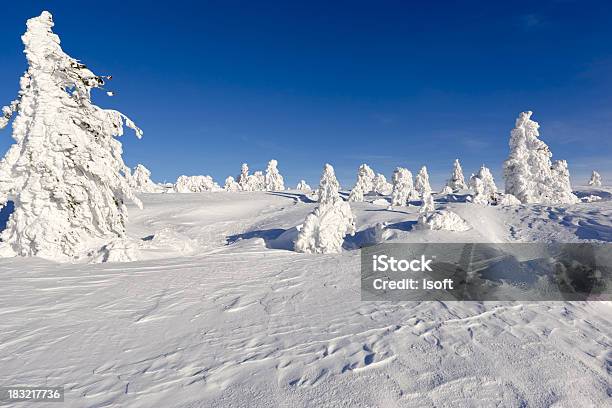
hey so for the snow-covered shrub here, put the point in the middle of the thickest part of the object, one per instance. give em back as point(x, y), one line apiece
point(65, 173)
point(483, 184)
point(595, 180)
point(381, 185)
point(528, 172)
point(428, 203)
point(141, 181)
point(457, 181)
point(256, 182)
point(243, 177)
point(446, 190)
point(402, 187)
point(421, 183)
point(590, 199)
point(303, 186)
point(195, 184)
point(442, 220)
point(364, 184)
point(231, 184)
point(508, 200)
point(274, 180)
point(324, 229)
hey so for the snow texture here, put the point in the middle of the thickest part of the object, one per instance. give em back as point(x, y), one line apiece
point(508, 200)
point(483, 184)
point(529, 173)
point(324, 229)
point(457, 180)
point(402, 187)
point(65, 173)
point(595, 180)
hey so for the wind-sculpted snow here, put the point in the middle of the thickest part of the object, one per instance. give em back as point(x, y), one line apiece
point(195, 184)
point(402, 187)
point(141, 181)
point(241, 324)
point(64, 174)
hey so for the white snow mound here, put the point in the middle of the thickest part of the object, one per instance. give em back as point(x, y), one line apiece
point(442, 220)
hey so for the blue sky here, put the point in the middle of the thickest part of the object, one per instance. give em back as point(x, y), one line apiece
point(389, 83)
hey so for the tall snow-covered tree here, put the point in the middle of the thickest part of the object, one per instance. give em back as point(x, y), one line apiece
point(428, 203)
point(484, 186)
point(141, 181)
point(65, 172)
point(243, 178)
point(529, 173)
point(457, 180)
point(421, 184)
point(274, 180)
point(256, 182)
point(364, 184)
point(595, 180)
point(324, 229)
point(402, 187)
point(303, 186)
point(231, 184)
point(381, 185)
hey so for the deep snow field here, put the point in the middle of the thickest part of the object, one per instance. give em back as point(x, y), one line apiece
point(219, 313)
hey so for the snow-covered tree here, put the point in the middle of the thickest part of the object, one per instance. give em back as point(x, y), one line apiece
point(65, 173)
point(402, 187)
point(421, 184)
point(243, 177)
point(595, 180)
point(195, 184)
point(324, 229)
point(457, 181)
point(231, 184)
point(381, 185)
point(444, 220)
point(484, 186)
point(364, 184)
point(446, 190)
point(529, 173)
point(256, 182)
point(428, 203)
point(303, 186)
point(141, 181)
point(274, 180)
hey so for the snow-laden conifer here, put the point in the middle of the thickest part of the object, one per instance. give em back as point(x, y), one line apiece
point(529, 173)
point(65, 173)
point(274, 180)
point(256, 182)
point(364, 184)
point(402, 187)
point(421, 183)
point(457, 180)
point(483, 184)
point(427, 204)
point(195, 184)
point(595, 180)
point(324, 229)
point(141, 181)
point(243, 177)
point(231, 184)
point(381, 185)
point(303, 186)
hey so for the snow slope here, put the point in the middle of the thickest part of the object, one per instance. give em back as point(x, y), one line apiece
point(220, 314)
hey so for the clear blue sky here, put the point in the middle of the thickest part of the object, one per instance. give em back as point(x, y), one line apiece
point(215, 84)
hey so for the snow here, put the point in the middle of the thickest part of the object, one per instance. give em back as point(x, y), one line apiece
point(457, 180)
point(595, 180)
point(402, 187)
point(141, 181)
point(237, 321)
point(274, 180)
